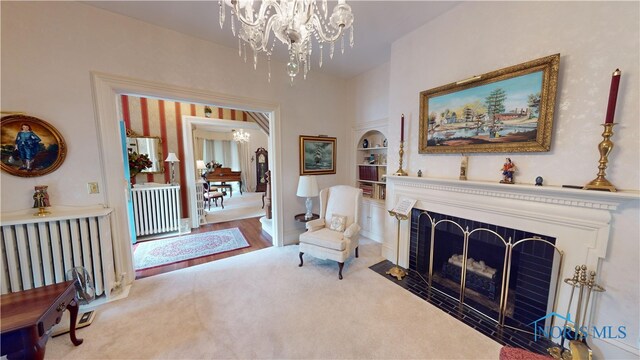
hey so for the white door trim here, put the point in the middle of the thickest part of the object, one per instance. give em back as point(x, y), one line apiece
point(106, 90)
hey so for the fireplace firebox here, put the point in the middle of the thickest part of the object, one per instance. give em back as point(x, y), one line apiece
point(508, 275)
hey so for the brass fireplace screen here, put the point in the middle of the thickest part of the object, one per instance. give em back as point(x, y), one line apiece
point(488, 279)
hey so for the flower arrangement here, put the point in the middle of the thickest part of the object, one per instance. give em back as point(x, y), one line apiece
point(138, 162)
point(212, 165)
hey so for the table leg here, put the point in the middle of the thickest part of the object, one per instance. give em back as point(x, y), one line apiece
point(34, 346)
point(240, 186)
point(73, 312)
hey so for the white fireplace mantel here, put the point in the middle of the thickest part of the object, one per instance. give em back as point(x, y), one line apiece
point(543, 194)
point(549, 210)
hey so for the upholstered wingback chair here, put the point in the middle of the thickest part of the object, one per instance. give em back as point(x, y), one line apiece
point(334, 236)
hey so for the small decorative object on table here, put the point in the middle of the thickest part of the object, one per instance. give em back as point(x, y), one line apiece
point(507, 172)
point(384, 142)
point(606, 145)
point(41, 200)
point(419, 173)
point(539, 181)
point(207, 112)
point(365, 143)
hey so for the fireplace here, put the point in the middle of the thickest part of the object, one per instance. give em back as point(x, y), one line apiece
point(565, 228)
point(507, 275)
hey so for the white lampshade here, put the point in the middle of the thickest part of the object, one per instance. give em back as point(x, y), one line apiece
point(307, 186)
point(200, 165)
point(172, 158)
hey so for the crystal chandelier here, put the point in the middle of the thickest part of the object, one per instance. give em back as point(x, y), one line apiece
point(294, 23)
point(240, 136)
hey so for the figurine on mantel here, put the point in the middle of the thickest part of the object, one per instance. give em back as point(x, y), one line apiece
point(507, 172)
point(464, 163)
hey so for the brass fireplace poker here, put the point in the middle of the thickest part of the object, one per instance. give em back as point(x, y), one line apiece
point(578, 348)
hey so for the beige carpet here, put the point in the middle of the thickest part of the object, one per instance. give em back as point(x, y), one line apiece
point(262, 305)
point(236, 207)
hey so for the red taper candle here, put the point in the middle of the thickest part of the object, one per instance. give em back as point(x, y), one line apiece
point(613, 96)
point(402, 128)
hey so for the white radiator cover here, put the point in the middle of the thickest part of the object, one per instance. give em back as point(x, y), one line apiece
point(37, 251)
point(156, 209)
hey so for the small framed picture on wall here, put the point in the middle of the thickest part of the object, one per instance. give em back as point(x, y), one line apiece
point(317, 155)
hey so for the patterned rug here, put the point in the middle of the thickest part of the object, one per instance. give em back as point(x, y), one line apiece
point(149, 254)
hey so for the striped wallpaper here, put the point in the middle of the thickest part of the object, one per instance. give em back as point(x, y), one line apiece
point(163, 118)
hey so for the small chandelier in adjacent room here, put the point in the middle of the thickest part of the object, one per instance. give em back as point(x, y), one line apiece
point(294, 23)
point(240, 136)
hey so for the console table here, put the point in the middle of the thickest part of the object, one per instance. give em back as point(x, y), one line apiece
point(27, 316)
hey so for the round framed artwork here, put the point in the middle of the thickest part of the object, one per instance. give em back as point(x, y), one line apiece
point(30, 146)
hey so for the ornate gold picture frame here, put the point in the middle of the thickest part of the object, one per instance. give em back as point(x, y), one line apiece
point(30, 146)
point(317, 155)
point(507, 110)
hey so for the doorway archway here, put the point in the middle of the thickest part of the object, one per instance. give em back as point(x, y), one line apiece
point(106, 90)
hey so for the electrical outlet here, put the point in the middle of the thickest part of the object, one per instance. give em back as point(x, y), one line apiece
point(92, 187)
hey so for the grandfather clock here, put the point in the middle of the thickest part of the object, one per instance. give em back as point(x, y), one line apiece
point(262, 165)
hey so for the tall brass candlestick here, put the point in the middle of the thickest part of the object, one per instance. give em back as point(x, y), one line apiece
point(401, 172)
point(605, 147)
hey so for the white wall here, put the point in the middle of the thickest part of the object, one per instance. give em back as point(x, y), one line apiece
point(49, 49)
point(369, 95)
point(593, 39)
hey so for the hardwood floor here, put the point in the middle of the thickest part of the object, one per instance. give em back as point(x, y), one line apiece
point(250, 228)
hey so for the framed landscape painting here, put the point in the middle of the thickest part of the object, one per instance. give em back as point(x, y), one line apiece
point(317, 155)
point(508, 110)
point(30, 146)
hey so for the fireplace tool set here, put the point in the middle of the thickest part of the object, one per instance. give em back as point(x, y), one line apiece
point(577, 332)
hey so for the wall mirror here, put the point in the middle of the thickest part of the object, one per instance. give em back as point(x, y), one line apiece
point(149, 145)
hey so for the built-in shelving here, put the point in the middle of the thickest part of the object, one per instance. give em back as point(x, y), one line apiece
point(371, 165)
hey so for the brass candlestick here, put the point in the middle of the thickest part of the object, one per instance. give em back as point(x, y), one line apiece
point(397, 271)
point(401, 172)
point(605, 147)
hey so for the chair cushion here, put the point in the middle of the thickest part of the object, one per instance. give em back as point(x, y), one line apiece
point(325, 238)
point(212, 195)
point(342, 199)
point(338, 222)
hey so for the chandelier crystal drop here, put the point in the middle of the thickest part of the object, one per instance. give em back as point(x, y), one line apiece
point(294, 22)
point(240, 136)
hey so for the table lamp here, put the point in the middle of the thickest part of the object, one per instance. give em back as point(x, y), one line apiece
point(200, 165)
point(172, 158)
point(308, 187)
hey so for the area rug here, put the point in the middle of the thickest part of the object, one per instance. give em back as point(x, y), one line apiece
point(167, 251)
